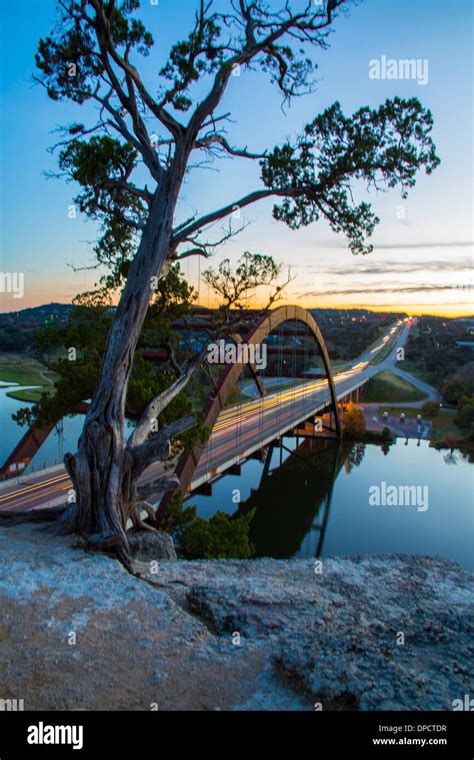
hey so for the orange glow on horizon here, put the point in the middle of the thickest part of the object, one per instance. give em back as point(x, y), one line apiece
point(453, 310)
point(465, 309)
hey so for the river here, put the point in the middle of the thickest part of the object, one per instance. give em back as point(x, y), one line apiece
point(318, 502)
point(314, 500)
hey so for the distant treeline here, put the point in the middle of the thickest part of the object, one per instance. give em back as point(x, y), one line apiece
point(18, 328)
point(348, 332)
point(433, 350)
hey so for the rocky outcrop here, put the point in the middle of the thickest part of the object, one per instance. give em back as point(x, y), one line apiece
point(148, 546)
point(367, 633)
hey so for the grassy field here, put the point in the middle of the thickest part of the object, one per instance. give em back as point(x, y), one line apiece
point(427, 377)
point(33, 394)
point(387, 387)
point(24, 370)
point(443, 426)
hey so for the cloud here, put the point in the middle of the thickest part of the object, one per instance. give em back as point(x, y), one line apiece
point(386, 267)
point(438, 244)
point(368, 290)
point(402, 246)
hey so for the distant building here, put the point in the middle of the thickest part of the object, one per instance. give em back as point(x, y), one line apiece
point(465, 344)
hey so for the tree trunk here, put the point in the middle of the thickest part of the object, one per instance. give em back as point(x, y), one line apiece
point(103, 471)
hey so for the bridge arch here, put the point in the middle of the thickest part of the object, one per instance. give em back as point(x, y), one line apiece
point(231, 374)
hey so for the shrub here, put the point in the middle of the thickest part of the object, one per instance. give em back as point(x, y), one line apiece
point(353, 422)
point(465, 416)
point(458, 384)
point(220, 537)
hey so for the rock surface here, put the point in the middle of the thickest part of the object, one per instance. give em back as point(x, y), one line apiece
point(151, 545)
point(372, 633)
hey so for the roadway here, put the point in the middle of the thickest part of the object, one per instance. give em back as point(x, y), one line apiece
point(238, 432)
point(245, 428)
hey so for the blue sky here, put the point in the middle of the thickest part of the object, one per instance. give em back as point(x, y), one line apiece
point(420, 263)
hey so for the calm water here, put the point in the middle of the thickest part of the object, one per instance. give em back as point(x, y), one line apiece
point(316, 502)
point(56, 445)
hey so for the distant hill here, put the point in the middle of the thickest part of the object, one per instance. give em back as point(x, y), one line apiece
point(38, 313)
point(18, 328)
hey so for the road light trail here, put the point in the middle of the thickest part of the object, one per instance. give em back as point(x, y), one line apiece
point(255, 420)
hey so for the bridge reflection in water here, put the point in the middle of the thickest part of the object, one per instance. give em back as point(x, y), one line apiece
point(293, 500)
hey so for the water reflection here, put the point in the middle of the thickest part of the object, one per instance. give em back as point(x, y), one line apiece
point(312, 500)
point(293, 497)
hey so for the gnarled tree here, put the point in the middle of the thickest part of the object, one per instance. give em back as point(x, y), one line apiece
point(92, 56)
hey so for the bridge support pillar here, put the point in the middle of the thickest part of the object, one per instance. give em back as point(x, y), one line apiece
point(205, 489)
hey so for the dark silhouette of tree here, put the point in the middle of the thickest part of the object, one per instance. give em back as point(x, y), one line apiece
point(235, 284)
point(165, 129)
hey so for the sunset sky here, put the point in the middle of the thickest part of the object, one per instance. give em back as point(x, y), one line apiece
point(422, 260)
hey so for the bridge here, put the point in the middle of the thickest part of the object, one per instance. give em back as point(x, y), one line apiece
point(282, 405)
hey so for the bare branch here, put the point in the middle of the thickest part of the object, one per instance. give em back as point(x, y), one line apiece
point(183, 233)
point(208, 141)
point(102, 25)
point(206, 248)
point(263, 30)
point(156, 488)
point(159, 447)
point(156, 407)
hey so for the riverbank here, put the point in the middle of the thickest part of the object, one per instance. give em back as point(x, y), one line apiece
point(79, 632)
point(22, 369)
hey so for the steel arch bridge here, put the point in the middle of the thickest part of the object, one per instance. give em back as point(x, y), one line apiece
point(229, 377)
point(241, 431)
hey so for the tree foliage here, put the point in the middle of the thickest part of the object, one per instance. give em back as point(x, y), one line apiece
point(223, 536)
point(380, 147)
point(234, 284)
point(87, 330)
point(430, 408)
point(465, 416)
point(353, 421)
point(459, 384)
